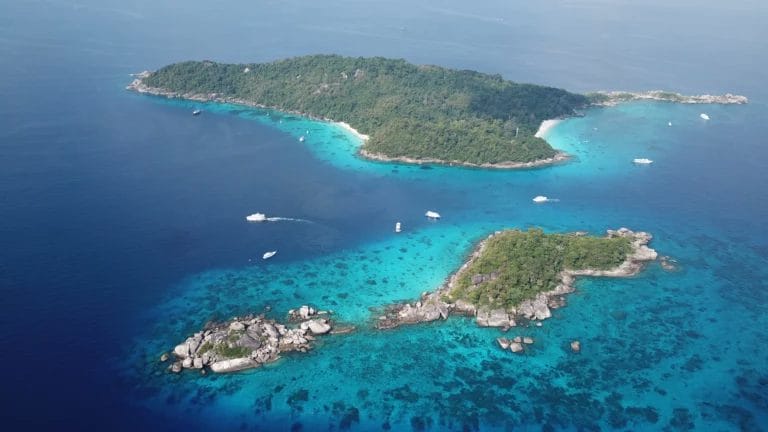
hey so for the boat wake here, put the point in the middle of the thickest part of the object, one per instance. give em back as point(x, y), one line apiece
point(287, 219)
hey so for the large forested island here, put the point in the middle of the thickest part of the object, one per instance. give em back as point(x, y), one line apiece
point(410, 113)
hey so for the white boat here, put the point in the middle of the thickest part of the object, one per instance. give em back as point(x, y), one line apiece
point(301, 139)
point(642, 161)
point(704, 116)
point(669, 124)
point(432, 214)
point(397, 227)
point(540, 199)
point(256, 217)
point(268, 255)
point(196, 112)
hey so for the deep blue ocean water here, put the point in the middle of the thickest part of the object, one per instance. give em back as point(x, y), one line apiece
point(122, 221)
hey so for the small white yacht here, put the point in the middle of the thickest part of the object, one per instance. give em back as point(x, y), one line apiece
point(642, 161)
point(256, 217)
point(669, 123)
point(301, 139)
point(398, 227)
point(196, 112)
point(432, 214)
point(268, 255)
point(704, 116)
point(540, 199)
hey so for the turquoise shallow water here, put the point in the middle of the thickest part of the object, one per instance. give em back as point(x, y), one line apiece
point(663, 350)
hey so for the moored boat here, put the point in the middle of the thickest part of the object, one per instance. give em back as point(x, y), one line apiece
point(268, 255)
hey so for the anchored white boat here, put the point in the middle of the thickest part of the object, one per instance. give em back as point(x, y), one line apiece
point(642, 161)
point(540, 199)
point(432, 214)
point(398, 227)
point(704, 116)
point(256, 217)
point(669, 123)
point(268, 255)
point(196, 112)
point(301, 139)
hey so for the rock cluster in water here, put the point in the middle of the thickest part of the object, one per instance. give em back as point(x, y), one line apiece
point(434, 305)
point(610, 98)
point(249, 342)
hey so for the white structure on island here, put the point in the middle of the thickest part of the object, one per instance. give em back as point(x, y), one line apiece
point(256, 217)
point(704, 116)
point(642, 161)
point(432, 214)
point(398, 227)
point(540, 199)
point(268, 255)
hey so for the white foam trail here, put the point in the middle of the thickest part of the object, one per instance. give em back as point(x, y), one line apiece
point(285, 219)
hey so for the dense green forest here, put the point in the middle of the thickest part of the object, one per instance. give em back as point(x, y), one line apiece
point(408, 110)
point(517, 265)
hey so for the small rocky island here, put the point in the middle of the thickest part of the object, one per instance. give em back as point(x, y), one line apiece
point(251, 341)
point(515, 276)
point(611, 98)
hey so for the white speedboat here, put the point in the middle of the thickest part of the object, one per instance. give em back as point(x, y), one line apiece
point(432, 214)
point(301, 139)
point(540, 199)
point(669, 123)
point(256, 217)
point(398, 227)
point(704, 116)
point(196, 112)
point(642, 161)
point(268, 255)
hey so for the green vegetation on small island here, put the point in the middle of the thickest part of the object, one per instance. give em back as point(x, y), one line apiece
point(409, 111)
point(517, 265)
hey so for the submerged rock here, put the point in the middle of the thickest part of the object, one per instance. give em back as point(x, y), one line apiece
point(575, 346)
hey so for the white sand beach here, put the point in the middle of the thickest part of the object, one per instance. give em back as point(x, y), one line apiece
point(346, 126)
point(546, 125)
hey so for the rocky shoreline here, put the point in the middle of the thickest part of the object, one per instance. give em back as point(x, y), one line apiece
point(251, 341)
point(138, 86)
point(435, 305)
point(612, 98)
point(559, 157)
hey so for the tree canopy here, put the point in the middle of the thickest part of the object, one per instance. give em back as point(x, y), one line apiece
point(517, 265)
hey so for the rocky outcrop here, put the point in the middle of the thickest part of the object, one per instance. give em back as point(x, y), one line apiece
point(494, 318)
point(248, 342)
point(434, 305)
